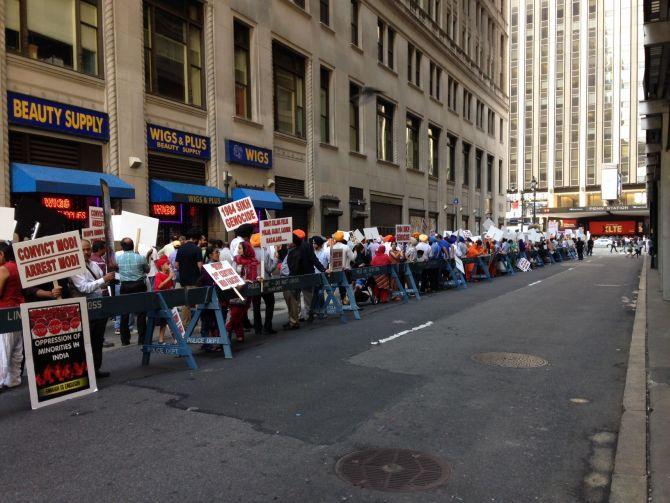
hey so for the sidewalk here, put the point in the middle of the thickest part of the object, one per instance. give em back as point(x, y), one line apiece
point(642, 465)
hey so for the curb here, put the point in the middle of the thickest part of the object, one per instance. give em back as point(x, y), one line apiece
point(629, 479)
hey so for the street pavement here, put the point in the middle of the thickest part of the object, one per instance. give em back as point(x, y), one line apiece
point(270, 424)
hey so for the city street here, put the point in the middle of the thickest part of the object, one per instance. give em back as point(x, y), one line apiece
point(271, 424)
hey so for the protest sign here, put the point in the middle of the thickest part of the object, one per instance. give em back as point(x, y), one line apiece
point(224, 275)
point(467, 234)
point(371, 233)
point(488, 223)
point(141, 229)
point(523, 264)
point(358, 236)
point(459, 265)
point(176, 317)
point(490, 232)
point(58, 352)
point(336, 259)
point(7, 224)
point(276, 232)
point(96, 217)
point(403, 233)
point(347, 236)
point(238, 213)
point(49, 258)
point(552, 227)
point(93, 233)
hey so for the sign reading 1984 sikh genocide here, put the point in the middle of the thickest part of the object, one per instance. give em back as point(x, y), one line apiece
point(238, 213)
point(58, 352)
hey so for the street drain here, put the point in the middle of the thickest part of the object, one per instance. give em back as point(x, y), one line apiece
point(510, 360)
point(393, 470)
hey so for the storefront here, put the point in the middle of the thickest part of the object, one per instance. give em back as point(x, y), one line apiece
point(614, 220)
point(55, 155)
point(178, 193)
point(263, 201)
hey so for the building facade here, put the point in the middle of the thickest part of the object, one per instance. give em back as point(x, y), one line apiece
point(576, 75)
point(655, 116)
point(341, 114)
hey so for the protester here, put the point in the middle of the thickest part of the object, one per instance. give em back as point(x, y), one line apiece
point(189, 263)
point(246, 260)
point(163, 280)
point(382, 282)
point(266, 257)
point(169, 247)
point(301, 260)
point(91, 283)
point(98, 252)
point(133, 268)
point(208, 325)
point(11, 343)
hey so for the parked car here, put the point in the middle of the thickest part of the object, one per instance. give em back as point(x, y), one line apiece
point(601, 242)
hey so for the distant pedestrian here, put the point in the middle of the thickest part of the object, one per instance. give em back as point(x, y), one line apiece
point(580, 248)
point(638, 248)
point(613, 246)
point(589, 246)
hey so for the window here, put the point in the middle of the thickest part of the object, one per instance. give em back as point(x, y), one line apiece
point(451, 165)
point(417, 69)
point(433, 150)
point(500, 176)
point(467, 105)
point(324, 11)
point(501, 130)
point(479, 117)
point(478, 169)
point(452, 91)
point(385, 112)
point(324, 98)
point(390, 47)
point(289, 90)
point(491, 123)
point(410, 62)
point(172, 49)
point(412, 128)
point(242, 70)
point(489, 173)
point(381, 29)
point(354, 22)
point(466, 222)
point(300, 3)
point(354, 117)
point(434, 81)
point(414, 65)
point(466, 164)
point(60, 32)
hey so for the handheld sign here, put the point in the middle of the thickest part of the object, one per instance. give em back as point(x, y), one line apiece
point(93, 233)
point(142, 229)
point(49, 258)
point(371, 233)
point(358, 236)
point(58, 351)
point(238, 213)
point(7, 224)
point(176, 317)
point(96, 217)
point(110, 259)
point(276, 232)
point(224, 275)
point(336, 259)
point(403, 233)
point(459, 265)
point(523, 264)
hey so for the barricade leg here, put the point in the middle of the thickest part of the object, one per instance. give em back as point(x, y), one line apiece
point(510, 265)
point(211, 304)
point(410, 279)
point(342, 281)
point(331, 300)
point(401, 288)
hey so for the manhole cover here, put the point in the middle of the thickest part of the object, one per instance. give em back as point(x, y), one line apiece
point(511, 360)
point(393, 470)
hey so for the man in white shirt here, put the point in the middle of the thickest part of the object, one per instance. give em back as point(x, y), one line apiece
point(90, 284)
point(338, 237)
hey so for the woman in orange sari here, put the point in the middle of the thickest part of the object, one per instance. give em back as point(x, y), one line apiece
point(475, 250)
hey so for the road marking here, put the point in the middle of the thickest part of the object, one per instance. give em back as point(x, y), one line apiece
point(400, 334)
point(534, 283)
point(608, 285)
point(570, 268)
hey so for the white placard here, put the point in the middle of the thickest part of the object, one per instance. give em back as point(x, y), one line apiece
point(96, 217)
point(498, 234)
point(336, 259)
point(371, 233)
point(358, 236)
point(276, 232)
point(127, 224)
point(7, 224)
point(490, 232)
point(347, 236)
point(238, 213)
point(459, 265)
point(224, 275)
point(523, 264)
point(487, 224)
point(176, 317)
point(49, 258)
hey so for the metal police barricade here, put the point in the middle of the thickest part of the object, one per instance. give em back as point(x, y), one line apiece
point(557, 255)
point(479, 266)
point(405, 275)
point(456, 277)
point(535, 255)
point(507, 262)
point(339, 279)
point(550, 256)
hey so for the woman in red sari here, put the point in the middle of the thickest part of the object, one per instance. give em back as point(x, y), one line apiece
point(382, 288)
point(248, 264)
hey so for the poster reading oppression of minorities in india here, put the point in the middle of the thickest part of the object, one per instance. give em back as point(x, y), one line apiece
point(238, 213)
point(49, 258)
point(58, 350)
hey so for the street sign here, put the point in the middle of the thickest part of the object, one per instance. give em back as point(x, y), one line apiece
point(456, 201)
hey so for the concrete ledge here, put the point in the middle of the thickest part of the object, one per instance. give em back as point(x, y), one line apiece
point(629, 479)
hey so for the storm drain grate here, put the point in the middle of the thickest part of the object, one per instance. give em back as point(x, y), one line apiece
point(393, 470)
point(510, 360)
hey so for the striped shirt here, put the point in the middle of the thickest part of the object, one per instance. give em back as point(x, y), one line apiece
point(132, 266)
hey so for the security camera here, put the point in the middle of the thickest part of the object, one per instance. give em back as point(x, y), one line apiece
point(134, 162)
point(270, 182)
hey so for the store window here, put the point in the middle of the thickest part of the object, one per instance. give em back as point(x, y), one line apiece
point(451, 222)
point(289, 92)
point(324, 98)
point(433, 150)
point(478, 169)
point(412, 127)
point(489, 173)
point(173, 49)
point(451, 166)
point(385, 111)
point(242, 36)
point(354, 117)
point(60, 32)
point(466, 164)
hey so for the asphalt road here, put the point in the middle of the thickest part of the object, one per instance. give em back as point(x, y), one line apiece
point(270, 424)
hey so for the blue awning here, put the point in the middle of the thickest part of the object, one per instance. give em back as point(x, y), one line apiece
point(261, 199)
point(29, 178)
point(164, 191)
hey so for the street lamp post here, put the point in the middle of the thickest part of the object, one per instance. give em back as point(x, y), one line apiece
point(533, 186)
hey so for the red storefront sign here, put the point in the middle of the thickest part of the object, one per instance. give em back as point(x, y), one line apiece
point(569, 223)
point(612, 228)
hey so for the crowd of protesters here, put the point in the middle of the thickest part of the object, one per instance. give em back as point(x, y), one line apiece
point(180, 264)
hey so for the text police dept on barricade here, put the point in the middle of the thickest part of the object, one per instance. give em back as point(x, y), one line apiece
point(162, 139)
point(45, 114)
